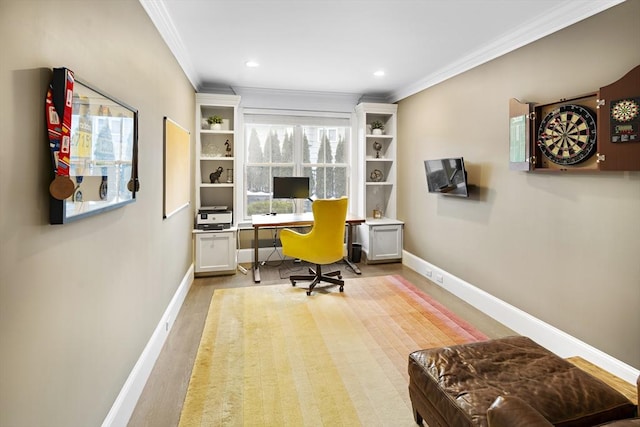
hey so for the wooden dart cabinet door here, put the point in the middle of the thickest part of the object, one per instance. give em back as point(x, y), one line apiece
point(619, 124)
point(520, 136)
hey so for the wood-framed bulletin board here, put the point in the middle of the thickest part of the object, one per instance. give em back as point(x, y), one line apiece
point(177, 168)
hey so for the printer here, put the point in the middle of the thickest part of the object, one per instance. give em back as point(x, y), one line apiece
point(213, 218)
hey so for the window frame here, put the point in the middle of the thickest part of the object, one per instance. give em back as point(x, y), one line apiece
point(322, 123)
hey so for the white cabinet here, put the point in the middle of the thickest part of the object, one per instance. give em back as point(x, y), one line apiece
point(215, 179)
point(381, 235)
point(215, 251)
point(385, 240)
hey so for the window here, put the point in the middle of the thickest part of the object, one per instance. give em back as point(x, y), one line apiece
point(278, 145)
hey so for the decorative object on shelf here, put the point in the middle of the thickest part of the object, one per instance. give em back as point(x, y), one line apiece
point(567, 135)
point(376, 175)
point(377, 146)
point(227, 149)
point(77, 195)
point(215, 176)
point(104, 187)
point(215, 122)
point(377, 213)
point(204, 123)
point(209, 150)
point(229, 176)
point(377, 127)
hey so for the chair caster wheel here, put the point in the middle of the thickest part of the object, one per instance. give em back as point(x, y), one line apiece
point(308, 293)
point(339, 276)
point(341, 289)
point(293, 283)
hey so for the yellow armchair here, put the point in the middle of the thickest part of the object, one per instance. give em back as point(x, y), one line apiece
point(324, 244)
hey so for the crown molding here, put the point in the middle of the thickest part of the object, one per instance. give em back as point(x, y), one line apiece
point(562, 16)
point(556, 18)
point(160, 17)
point(297, 99)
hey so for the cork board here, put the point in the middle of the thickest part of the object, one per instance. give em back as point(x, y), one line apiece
point(177, 167)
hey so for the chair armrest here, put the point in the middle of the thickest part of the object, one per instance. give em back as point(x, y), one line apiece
point(511, 411)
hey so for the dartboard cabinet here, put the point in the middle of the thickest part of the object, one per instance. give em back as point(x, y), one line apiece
point(598, 131)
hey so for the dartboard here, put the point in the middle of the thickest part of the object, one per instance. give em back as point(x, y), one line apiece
point(625, 110)
point(567, 135)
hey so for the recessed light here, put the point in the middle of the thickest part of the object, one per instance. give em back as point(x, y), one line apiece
point(379, 73)
point(251, 64)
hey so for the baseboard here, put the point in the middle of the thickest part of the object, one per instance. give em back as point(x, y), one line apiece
point(559, 342)
point(128, 397)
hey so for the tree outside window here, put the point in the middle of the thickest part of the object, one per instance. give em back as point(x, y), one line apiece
point(311, 150)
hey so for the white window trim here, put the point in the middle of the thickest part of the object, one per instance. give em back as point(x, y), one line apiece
point(334, 118)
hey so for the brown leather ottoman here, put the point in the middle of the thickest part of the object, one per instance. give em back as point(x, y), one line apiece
point(454, 386)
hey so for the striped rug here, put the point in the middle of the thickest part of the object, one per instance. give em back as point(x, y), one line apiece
point(273, 356)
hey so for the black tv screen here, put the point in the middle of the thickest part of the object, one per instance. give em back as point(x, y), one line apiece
point(290, 187)
point(447, 176)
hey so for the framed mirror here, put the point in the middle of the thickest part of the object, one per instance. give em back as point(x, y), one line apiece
point(102, 154)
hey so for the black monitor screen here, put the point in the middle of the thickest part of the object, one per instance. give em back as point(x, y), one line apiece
point(447, 176)
point(290, 187)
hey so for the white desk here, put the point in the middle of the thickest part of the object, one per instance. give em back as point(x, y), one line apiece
point(296, 220)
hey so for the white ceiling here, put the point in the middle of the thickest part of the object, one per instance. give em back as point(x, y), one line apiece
point(336, 45)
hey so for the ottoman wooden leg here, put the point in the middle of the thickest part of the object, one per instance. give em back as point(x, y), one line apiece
point(417, 417)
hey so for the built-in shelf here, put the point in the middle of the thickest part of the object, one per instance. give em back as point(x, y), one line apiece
point(381, 235)
point(215, 250)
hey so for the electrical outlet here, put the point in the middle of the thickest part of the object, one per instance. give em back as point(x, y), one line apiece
point(439, 278)
point(429, 273)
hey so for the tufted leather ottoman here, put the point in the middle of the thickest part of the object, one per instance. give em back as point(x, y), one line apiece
point(454, 386)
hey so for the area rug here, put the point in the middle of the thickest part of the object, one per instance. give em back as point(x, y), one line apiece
point(273, 356)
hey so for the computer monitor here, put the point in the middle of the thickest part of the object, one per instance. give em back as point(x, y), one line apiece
point(290, 187)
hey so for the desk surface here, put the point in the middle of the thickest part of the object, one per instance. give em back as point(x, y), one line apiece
point(283, 220)
point(280, 220)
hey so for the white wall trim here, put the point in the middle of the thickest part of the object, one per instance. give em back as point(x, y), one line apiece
point(559, 342)
point(128, 397)
point(157, 11)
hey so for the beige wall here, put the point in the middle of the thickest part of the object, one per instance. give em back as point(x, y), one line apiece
point(563, 248)
point(78, 302)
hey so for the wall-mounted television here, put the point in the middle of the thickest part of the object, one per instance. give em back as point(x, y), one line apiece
point(290, 187)
point(447, 176)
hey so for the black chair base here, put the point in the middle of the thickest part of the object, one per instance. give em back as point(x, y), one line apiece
point(316, 277)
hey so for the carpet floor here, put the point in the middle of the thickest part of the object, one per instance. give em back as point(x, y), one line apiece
point(273, 356)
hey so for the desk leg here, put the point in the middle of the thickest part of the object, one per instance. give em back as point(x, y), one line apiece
point(256, 262)
point(347, 260)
